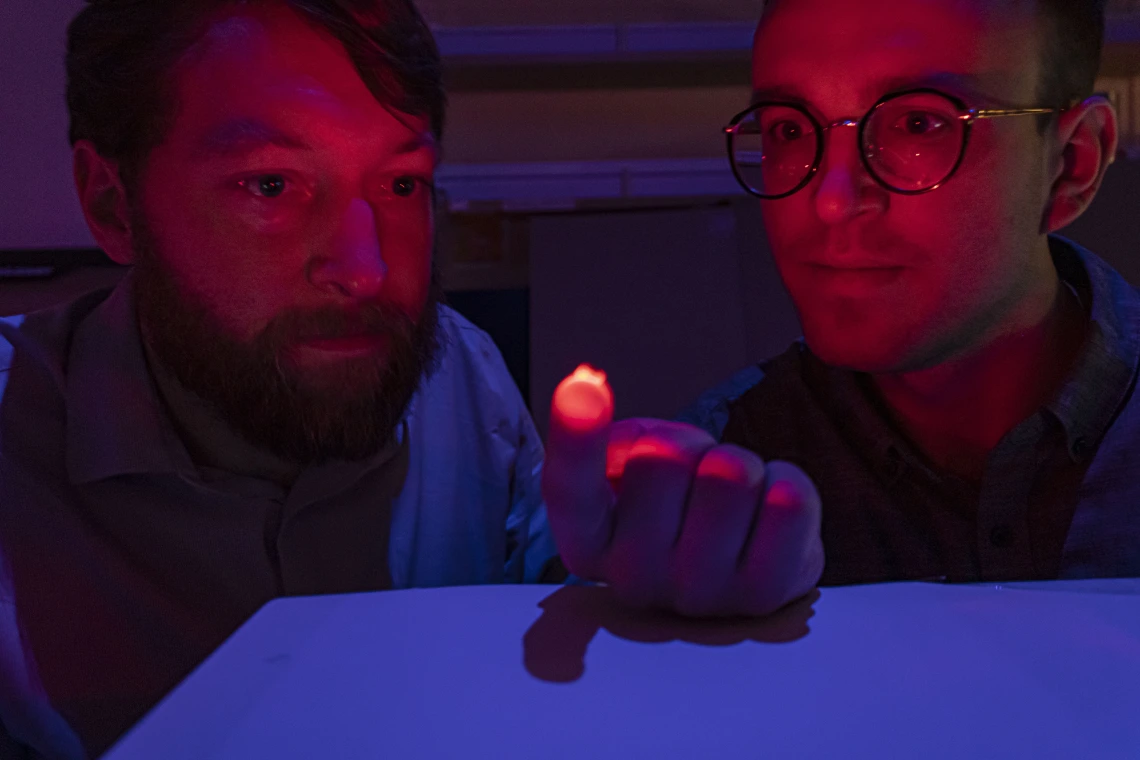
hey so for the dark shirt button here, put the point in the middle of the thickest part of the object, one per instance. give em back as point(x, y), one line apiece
point(1081, 448)
point(1002, 536)
point(894, 467)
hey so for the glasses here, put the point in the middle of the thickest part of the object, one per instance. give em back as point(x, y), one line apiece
point(910, 142)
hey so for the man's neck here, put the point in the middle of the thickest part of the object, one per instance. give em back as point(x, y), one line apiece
point(959, 410)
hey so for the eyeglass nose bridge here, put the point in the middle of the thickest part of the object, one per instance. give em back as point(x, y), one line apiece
point(844, 122)
point(841, 123)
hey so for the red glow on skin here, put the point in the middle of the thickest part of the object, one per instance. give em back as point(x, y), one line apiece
point(620, 454)
point(584, 401)
point(855, 282)
point(657, 450)
point(616, 458)
point(727, 468)
point(783, 495)
point(884, 282)
point(948, 299)
point(267, 96)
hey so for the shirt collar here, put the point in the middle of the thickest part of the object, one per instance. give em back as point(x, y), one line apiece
point(1102, 379)
point(115, 425)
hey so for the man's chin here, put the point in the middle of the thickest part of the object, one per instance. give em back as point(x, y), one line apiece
point(327, 424)
point(345, 377)
point(874, 355)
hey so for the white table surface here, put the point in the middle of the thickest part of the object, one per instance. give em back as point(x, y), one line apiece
point(895, 671)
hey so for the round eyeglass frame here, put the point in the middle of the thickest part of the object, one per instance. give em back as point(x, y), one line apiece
point(966, 114)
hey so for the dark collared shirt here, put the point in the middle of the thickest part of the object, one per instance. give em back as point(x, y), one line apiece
point(1060, 496)
point(123, 564)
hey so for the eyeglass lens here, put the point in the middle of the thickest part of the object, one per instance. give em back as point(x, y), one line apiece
point(911, 143)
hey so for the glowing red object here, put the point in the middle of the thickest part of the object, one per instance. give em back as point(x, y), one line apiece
point(584, 401)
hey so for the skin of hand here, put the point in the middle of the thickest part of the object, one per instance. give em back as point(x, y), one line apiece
point(669, 518)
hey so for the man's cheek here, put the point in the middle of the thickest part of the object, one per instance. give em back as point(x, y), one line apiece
point(245, 300)
point(782, 221)
point(409, 264)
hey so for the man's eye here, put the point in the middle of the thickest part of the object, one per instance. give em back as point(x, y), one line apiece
point(266, 186)
point(921, 123)
point(405, 187)
point(786, 131)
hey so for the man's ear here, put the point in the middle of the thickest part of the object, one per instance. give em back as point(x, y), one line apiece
point(1087, 140)
point(104, 201)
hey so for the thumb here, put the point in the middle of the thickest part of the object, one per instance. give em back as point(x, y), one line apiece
point(579, 499)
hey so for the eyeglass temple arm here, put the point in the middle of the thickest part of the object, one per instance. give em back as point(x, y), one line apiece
point(990, 113)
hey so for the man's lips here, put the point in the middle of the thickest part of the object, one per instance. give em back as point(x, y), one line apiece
point(855, 277)
point(344, 346)
point(853, 263)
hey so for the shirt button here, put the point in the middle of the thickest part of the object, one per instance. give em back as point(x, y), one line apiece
point(894, 466)
point(1002, 536)
point(1080, 448)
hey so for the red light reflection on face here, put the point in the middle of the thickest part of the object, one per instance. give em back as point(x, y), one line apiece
point(284, 185)
point(885, 282)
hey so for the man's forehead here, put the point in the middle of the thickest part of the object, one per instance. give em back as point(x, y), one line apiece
point(829, 44)
point(264, 63)
point(269, 46)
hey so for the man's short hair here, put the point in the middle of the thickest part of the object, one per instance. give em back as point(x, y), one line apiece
point(1071, 45)
point(121, 53)
point(1071, 42)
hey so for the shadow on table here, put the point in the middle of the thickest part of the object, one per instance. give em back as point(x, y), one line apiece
point(554, 648)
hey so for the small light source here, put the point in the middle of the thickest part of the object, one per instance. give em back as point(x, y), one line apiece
point(584, 400)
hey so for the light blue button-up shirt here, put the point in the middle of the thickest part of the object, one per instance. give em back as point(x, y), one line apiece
point(122, 564)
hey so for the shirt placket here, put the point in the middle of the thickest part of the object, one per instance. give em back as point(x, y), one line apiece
point(1004, 547)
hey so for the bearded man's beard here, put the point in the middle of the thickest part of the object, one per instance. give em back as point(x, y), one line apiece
point(347, 411)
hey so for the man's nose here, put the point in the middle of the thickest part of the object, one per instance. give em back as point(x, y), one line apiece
point(845, 189)
point(353, 265)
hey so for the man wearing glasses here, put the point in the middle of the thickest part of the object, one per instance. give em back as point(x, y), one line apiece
point(963, 397)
